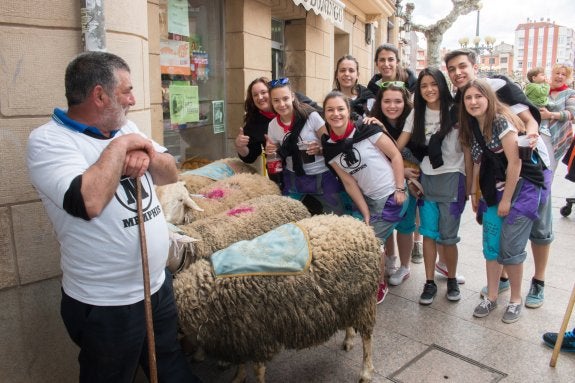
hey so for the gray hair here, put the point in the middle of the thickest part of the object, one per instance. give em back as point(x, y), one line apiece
point(90, 69)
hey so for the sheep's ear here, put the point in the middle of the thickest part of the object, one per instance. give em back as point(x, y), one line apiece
point(191, 204)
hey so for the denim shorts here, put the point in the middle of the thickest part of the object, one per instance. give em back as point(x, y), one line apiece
point(385, 215)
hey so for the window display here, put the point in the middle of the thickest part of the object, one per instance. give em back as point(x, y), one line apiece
point(192, 67)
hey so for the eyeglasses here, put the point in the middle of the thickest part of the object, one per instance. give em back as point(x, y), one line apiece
point(278, 82)
point(387, 84)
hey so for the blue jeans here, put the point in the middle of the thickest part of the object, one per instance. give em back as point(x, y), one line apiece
point(113, 342)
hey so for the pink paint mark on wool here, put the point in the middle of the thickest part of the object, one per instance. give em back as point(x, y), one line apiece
point(240, 210)
point(215, 194)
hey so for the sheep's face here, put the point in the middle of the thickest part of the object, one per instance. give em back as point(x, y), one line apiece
point(175, 199)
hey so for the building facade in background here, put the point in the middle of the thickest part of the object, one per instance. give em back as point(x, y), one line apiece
point(543, 43)
point(497, 60)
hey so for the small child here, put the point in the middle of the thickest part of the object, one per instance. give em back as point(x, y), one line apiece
point(537, 90)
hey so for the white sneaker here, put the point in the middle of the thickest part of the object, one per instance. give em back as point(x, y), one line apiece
point(441, 269)
point(399, 276)
point(390, 267)
point(417, 252)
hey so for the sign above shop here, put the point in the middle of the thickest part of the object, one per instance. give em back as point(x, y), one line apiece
point(331, 10)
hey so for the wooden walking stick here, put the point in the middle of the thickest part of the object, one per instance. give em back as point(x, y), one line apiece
point(147, 295)
point(563, 328)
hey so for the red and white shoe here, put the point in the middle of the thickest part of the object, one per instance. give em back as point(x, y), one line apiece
point(441, 269)
point(381, 292)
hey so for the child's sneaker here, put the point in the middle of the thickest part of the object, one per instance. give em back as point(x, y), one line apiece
point(390, 267)
point(484, 308)
point(399, 276)
point(535, 296)
point(441, 269)
point(512, 312)
point(503, 286)
point(453, 293)
point(381, 292)
point(428, 294)
point(417, 252)
point(568, 344)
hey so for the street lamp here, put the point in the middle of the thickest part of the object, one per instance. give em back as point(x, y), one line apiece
point(405, 16)
point(479, 48)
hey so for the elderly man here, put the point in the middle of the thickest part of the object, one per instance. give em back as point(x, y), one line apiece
point(83, 163)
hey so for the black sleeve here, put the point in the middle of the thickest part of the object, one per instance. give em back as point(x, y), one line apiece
point(512, 94)
point(306, 100)
point(411, 80)
point(73, 200)
point(256, 129)
point(255, 150)
point(372, 86)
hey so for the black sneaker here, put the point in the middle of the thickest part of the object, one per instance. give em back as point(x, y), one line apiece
point(453, 293)
point(568, 344)
point(429, 292)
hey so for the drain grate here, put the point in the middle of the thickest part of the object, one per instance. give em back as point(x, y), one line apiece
point(437, 364)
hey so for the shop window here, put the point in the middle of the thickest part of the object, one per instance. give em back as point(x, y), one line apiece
point(193, 83)
point(278, 53)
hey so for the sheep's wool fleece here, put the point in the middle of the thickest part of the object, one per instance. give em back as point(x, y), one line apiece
point(195, 182)
point(244, 221)
point(227, 193)
point(251, 318)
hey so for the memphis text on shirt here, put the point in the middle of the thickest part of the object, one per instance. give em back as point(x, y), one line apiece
point(128, 199)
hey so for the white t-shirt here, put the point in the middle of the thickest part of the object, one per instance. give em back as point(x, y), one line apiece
point(100, 258)
point(313, 123)
point(496, 84)
point(453, 160)
point(373, 171)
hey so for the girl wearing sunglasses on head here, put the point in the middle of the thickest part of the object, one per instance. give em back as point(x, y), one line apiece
point(390, 69)
point(294, 134)
point(258, 113)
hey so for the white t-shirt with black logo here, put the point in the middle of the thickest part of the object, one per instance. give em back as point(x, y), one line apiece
point(100, 258)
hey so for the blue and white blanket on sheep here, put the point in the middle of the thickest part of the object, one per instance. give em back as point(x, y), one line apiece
point(284, 250)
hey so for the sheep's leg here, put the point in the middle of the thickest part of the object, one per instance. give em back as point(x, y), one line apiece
point(348, 341)
point(241, 374)
point(367, 368)
point(260, 372)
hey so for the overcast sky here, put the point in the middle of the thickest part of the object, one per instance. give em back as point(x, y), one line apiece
point(497, 18)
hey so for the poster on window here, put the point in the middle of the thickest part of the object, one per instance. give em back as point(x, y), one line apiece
point(218, 116)
point(184, 104)
point(175, 57)
point(178, 21)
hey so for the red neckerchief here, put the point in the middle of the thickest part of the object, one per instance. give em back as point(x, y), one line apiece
point(269, 115)
point(559, 88)
point(335, 138)
point(285, 127)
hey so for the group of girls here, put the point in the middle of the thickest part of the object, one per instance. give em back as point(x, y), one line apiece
point(367, 155)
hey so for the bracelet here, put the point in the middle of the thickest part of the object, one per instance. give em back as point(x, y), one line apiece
point(401, 190)
point(562, 116)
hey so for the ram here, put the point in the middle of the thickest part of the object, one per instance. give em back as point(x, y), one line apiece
point(252, 316)
point(244, 221)
point(179, 206)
